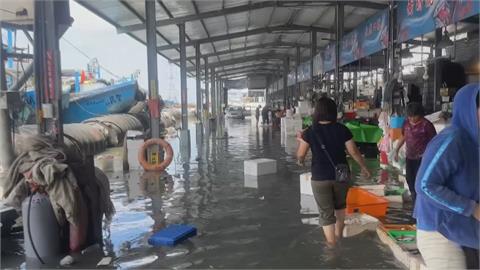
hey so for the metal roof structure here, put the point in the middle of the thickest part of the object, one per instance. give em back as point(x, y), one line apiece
point(237, 36)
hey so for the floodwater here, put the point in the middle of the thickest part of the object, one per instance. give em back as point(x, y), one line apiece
point(242, 222)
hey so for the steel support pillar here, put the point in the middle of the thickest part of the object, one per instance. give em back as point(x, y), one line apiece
point(49, 26)
point(339, 19)
point(313, 52)
point(392, 43)
point(155, 110)
point(355, 83)
point(297, 63)
point(436, 70)
point(183, 76)
point(6, 153)
point(184, 132)
point(212, 92)
point(199, 86)
point(207, 88)
point(286, 64)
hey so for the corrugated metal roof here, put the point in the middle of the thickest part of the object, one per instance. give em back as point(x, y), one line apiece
point(231, 17)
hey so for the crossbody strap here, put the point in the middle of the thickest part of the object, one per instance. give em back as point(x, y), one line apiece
point(322, 145)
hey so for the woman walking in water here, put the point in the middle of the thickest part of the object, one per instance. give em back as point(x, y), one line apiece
point(328, 141)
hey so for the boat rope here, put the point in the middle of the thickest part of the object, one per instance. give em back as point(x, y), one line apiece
point(84, 109)
point(89, 58)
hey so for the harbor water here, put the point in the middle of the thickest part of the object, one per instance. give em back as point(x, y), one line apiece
point(242, 222)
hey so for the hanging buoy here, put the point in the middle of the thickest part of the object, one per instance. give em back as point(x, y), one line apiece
point(158, 167)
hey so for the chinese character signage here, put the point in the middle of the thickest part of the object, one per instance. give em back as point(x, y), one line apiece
point(417, 17)
point(369, 37)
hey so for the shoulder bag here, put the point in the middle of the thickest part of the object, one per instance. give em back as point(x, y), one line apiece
point(342, 171)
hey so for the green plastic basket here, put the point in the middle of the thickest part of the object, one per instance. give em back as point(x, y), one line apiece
point(405, 237)
point(364, 133)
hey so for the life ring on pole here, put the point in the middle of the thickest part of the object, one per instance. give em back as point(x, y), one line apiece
point(158, 167)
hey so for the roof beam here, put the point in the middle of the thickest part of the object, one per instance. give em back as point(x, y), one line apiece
point(364, 4)
point(242, 75)
point(261, 65)
point(244, 8)
point(252, 71)
point(288, 45)
point(200, 16)
point(249, 33)
point(254, 62)
point(254, 57)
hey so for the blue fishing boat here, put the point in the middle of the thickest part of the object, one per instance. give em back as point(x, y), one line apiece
point(77, 107)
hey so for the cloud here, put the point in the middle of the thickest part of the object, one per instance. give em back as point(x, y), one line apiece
point(119, 53)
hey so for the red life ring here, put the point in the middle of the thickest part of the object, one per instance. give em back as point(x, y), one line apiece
point(159, 167)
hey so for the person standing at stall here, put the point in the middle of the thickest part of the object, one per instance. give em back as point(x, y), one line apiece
point(447, 209)
point(257, 113)
point(417, 133)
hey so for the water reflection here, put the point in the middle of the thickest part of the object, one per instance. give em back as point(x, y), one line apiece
point(242, 223)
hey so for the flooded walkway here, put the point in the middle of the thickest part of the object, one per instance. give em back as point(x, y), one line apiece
point(242, 223)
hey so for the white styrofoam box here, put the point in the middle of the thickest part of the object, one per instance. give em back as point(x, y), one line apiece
point(109, 162)
point(290, 126)
point(291, 145)
point(394, 198)
point(308, 204)
point(133, 146)
point(306, 183)
point(303, 107)
point(378, 190)
point(261, 166)
point(357, 222)
point(251, 181)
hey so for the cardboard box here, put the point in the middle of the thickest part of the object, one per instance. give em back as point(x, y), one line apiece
point(261, 166)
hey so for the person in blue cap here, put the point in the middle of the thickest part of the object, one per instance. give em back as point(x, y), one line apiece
point(447, 186)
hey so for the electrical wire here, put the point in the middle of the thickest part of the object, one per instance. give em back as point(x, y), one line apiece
point(30, 231)
point(89, 58)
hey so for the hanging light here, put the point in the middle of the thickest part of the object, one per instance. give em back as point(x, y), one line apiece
point(446, 41)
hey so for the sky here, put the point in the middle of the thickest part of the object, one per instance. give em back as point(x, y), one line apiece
point(119, 53)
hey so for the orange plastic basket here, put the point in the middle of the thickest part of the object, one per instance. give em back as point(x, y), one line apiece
point(360, 200)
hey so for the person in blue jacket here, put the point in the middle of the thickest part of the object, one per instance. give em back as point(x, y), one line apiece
point(447, 186)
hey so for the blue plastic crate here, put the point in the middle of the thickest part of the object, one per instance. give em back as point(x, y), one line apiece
point(172, 235)
point(397, 121)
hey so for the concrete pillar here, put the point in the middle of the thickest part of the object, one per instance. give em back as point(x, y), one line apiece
point(152, 67)
point(199, 87)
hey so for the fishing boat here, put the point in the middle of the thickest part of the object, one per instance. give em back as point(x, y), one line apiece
point(77, 107)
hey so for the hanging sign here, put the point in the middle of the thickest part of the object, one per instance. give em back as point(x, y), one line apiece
point(417, 17)
point(329, 57)
point(369, 37)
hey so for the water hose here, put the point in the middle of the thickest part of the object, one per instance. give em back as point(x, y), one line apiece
point(30, 231)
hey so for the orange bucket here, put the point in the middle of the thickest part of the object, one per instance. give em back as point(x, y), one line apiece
point(360, 200)
point(395, 134)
